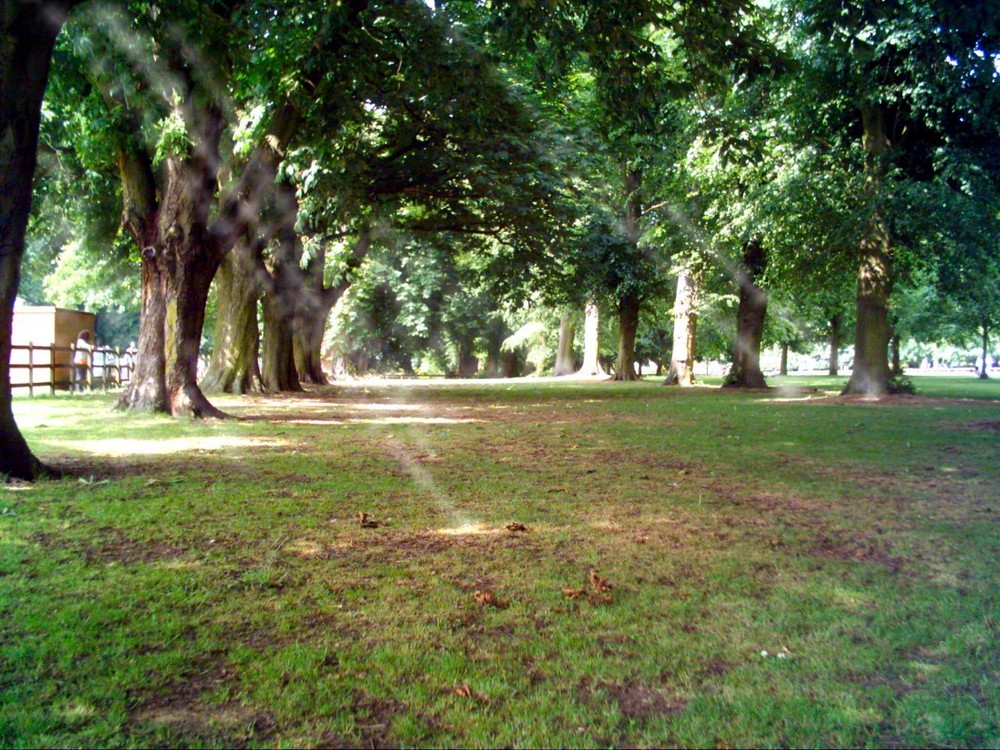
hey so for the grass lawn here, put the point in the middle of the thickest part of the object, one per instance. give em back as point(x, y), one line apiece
point(209, 583)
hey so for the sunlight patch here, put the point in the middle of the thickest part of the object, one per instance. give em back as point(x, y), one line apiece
point(130, 447)
point(413, 420)
point(468, 529)
point(306, 548)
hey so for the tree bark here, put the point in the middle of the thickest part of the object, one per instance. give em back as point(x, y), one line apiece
point(564, 354)
point(309, 327)
point(28, 31)
point(681, 370)
point(281, 298)
point(835, 330)
point(234, 366)
point(783, 366)
point(315, 303)
point(591, 342)
point(467, 363)
point(628, 324)
point(870, 375)
point(278, 359)
point(180, 255)
point(750, 315)
point(511, 363)
point(897, 366)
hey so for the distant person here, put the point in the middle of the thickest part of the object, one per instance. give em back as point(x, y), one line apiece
point(128, 361)
point(81, 360)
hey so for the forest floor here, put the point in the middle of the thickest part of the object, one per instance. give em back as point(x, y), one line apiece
point(540, 564)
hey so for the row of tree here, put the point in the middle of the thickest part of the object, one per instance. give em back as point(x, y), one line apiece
point(545, 153)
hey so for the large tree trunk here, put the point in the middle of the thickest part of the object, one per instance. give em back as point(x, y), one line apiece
point(871, 375)
point(564, 354)
point(685, 329)
point(234, 366)
point(28, 31)
point(750, 314)
point(591, 342)
point(309, 328)
point(282, 297)
point(314, 308)
point(309, 325)
point(180, 256)
point(835, 328)
point(278, 358)
point(783, 366)
point(628, 324)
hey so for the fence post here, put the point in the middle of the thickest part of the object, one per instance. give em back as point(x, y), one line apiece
point(52, 369)
point(31, 369)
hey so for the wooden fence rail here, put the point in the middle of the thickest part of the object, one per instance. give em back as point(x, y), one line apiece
point(106, 367)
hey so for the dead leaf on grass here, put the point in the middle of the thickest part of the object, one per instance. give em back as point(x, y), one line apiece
point(516, 527)
point(573, 593)
point(365, 522)
point(599, 584)
point(488, 599)
point(463, 690)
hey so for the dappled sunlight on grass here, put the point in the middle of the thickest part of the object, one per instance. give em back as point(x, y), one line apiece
point(381, 421)
point(469, 529)
point(119, 447)
point(239, 577)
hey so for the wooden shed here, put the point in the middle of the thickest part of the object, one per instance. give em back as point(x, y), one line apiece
point(46, 326)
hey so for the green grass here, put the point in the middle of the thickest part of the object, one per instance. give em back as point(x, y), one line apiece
point(207, 583)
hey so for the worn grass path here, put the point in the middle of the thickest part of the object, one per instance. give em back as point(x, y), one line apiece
point(209, 584)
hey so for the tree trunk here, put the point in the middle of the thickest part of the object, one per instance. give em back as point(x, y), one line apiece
point(564, 354)
point(234, 366)
point(309, 329)
point(897, 366)
point(467, 364)
point(871, 375)
point(983, 372)
point(835, 327)
point(147, 388)
point(685, 329)
point(180, 256)
point(27, 34)
point(511, 363)
point(628, 324)
point(628, 303)
point(746, 372)
point(283, 296)
point(591, 342)
point(783, 367)
point(278, 358)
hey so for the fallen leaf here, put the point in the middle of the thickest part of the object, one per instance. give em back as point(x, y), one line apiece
point(488, 599)
point(573, 593)
point(516, 527)
point(464, 690)
point(600, 584)
point(365, 522)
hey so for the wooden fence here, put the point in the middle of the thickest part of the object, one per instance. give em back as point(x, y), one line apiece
point(49, 366)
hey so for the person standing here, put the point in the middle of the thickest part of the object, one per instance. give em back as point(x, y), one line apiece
point(81, 360)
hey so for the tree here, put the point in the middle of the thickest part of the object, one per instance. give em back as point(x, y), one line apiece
point(916, 76)
point(28, 31)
